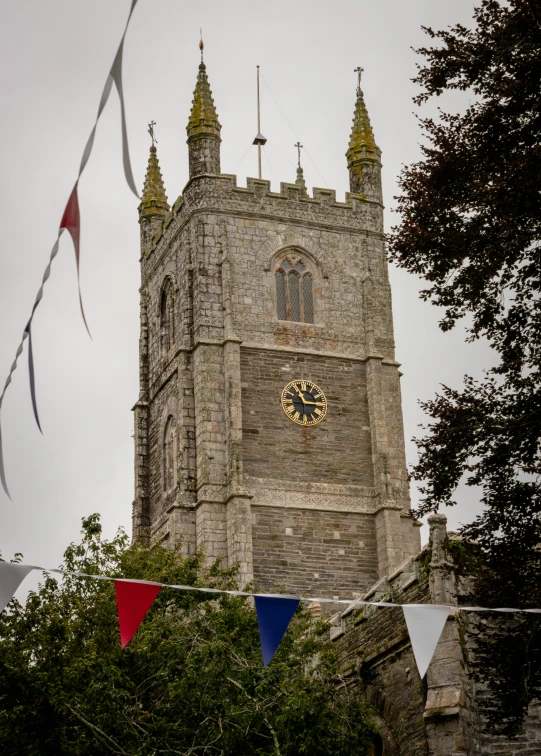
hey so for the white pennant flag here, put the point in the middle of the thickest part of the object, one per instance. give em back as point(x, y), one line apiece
point(11, 576)
point(425, 625)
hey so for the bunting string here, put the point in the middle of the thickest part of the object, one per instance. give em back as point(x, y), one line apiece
point(425, 622)
point(71, 221)
point(310, 599)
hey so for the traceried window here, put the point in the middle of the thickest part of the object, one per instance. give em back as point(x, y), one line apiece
point(169, 454)
point(294, 290)
point(167, 319)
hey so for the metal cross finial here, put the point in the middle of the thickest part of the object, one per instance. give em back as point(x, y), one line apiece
point(201, 43)
point(299, 148)
point(151, 132)
point(359, 72)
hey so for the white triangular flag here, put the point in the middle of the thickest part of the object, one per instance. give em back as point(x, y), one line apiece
point(425, 625)
point(11, 576)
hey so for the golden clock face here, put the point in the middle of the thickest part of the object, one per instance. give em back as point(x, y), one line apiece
point(304, 402)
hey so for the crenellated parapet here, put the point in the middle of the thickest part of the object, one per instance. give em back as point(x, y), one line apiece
point(221, 193)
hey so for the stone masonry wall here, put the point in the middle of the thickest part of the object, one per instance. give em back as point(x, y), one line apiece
point(164, 404)
point(337, 450)
point(344, 241)
point(309, 552)
point(377, 658)
point(215, 255)
point(443, 714)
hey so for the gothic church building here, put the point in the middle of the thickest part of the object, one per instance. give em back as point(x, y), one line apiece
point(268, 429)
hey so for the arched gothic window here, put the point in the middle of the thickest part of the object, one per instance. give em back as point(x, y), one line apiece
point(294, 290)
point(167, 319)
point(169, 454)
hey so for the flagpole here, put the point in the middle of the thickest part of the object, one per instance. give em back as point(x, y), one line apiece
point(260, 139)
point(258, 127)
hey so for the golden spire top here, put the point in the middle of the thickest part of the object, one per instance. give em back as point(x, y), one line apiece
point(154, 199)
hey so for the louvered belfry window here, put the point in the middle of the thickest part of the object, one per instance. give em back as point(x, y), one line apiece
point(294, 290)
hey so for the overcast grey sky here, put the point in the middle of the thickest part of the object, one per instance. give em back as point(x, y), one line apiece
point(56, 56)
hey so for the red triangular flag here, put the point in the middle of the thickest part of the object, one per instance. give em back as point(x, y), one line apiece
point(133, 601)
point(72, 221)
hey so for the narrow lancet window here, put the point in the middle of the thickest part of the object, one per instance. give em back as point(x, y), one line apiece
point(293, 281)
point(294, 290)
point(167, 319)
point(308, 299)
point(281, 306)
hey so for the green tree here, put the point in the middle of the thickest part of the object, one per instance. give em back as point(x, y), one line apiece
point(471, 225)
point(191, 681)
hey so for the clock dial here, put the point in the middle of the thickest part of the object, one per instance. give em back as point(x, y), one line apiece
point(304, 402)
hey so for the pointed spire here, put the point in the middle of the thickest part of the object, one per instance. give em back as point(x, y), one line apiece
point(154, 206)
point(203, 117)
point(203, 126)
point(300, 175)
point(301, 182)
point(363, 154)
point(154, 199)
point(361, 133)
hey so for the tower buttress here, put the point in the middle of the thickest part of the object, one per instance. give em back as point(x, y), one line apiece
point(203, 128)
point(363, 155)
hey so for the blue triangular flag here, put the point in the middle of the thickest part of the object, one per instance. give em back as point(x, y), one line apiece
point(273, 618)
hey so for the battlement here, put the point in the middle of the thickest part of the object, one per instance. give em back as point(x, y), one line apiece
point(320, 196)
point(227, 184)
point(221, 192)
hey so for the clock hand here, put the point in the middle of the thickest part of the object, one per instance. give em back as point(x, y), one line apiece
point(299, 393)
point(318, 404)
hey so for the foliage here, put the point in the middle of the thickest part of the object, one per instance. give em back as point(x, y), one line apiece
point(508, 657)
point(471, 225)
point(191, 681)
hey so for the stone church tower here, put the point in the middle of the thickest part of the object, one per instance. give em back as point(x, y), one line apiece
point(245, 292)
